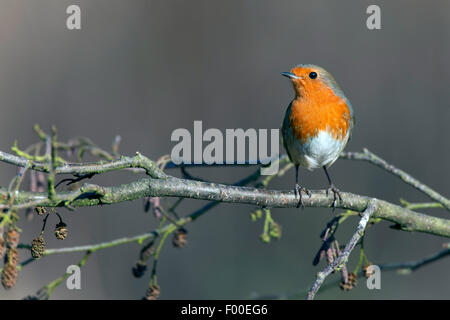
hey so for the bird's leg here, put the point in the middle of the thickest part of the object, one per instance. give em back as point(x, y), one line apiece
point(332, 188)
point(298, 190)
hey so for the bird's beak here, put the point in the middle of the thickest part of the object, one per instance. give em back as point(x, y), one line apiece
point(290, 75)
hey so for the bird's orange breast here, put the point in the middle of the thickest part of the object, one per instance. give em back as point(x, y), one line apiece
point(317, 110)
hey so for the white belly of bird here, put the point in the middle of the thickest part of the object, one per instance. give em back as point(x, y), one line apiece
point(321, 150)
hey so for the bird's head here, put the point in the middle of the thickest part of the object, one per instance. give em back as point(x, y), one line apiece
point(310, 79)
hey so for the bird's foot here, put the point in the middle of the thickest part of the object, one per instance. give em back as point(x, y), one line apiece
point(298, 191)
point(336, 195)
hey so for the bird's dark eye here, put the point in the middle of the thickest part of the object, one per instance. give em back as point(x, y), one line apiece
point(313, 75)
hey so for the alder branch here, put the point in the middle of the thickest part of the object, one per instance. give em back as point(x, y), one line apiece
point(139, 161)
point(370, 157)
point(90, 195)
point(168, 186)
point(154, 172)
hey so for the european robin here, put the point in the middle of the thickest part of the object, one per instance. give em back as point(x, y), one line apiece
point(318, 123)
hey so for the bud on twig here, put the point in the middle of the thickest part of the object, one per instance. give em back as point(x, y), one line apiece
point(61, 231)
point(40, 210)
point(152, 293)
point(139, 269)
point(180, 238)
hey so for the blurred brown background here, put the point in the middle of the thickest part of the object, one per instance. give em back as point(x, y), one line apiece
point(143, 68)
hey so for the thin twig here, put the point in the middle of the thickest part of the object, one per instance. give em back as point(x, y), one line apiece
point(343, 257)
point(45, 292)
point(138, 161)
point(402, 268)
point(420, 205)
point(406, 267)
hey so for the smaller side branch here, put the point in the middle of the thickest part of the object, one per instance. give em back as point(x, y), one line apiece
point(343, 257)
point(366, 155)
point(420, 205)
point(45, 292)
point(407, 267)
point(108, 244)
point(138, 161)
point(402, 268)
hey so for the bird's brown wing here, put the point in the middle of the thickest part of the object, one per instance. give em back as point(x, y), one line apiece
point(284, 129)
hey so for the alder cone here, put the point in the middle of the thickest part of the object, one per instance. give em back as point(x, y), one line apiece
point(9, 276)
